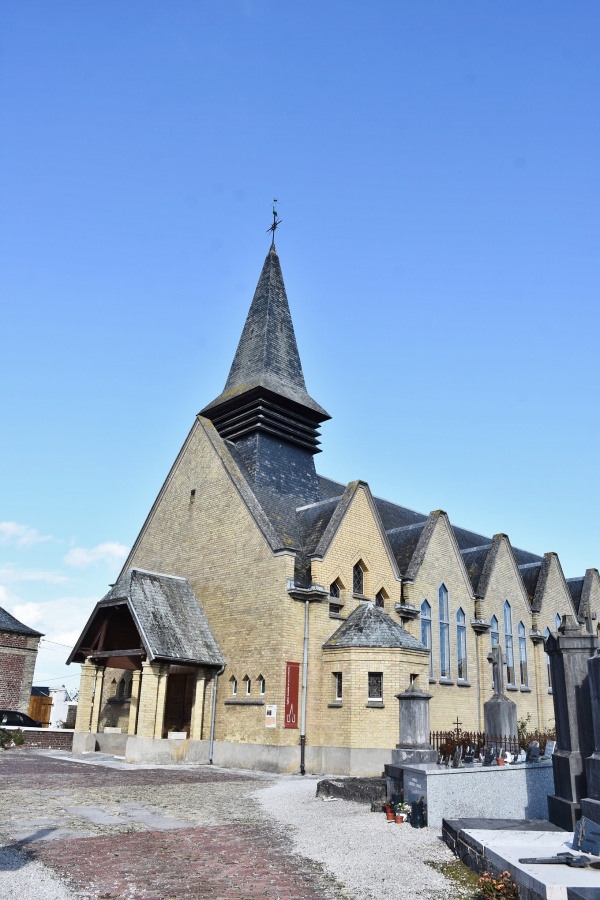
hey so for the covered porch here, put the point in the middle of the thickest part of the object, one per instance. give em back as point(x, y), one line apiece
point(151, 632)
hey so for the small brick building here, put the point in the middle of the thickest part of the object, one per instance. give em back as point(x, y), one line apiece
point(323, 601)
point(18, 653)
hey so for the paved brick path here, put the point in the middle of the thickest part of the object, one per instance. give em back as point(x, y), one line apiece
point(219, 847)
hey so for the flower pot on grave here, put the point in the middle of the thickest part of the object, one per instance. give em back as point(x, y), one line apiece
point(399, 818)
point(500, 760)
point(389, 815)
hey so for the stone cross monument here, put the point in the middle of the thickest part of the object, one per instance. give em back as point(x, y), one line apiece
point(499, 713)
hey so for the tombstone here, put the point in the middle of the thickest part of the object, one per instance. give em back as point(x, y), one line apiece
point(549, 750)
point(469, 755)
point(417, 813)
point(569, 650)
point(457, 758)
point(499, 713)
point(587, 836)
point(590, 805)
point(490, 755)
point(414, 746)
point(533, 752)
point(522, 756)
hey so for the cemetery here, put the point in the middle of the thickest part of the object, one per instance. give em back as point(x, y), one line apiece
point(533, 814)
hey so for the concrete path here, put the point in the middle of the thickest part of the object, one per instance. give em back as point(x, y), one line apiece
point(102, 829)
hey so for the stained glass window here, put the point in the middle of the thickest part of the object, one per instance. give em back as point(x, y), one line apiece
point(375, 685)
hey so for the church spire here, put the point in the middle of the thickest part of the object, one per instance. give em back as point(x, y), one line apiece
point(265, 409)
point(265, 390)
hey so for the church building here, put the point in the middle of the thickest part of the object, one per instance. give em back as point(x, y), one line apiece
point(267, 615)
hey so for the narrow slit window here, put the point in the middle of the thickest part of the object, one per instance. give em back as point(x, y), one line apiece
point(461, 645)
point(508, 644)
point(376, 686)
point(494, 632)
point(426, 632)
point(444, 612)
point(358, 578)
point(338, 685)
point(523, 669)
point(380, 599)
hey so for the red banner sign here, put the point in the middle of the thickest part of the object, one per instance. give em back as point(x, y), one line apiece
point(292, 688)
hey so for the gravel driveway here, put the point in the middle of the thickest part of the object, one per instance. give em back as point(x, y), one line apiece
point(103, 829)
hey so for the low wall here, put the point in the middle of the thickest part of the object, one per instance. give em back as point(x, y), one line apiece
point(45, 738)
point(478, 792)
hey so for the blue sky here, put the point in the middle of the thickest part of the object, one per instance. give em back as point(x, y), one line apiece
point(437, 169)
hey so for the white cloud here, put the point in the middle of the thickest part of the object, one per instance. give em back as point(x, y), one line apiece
point(110, 552)
point(22, 535)
point(13, 574)
point(29, 613)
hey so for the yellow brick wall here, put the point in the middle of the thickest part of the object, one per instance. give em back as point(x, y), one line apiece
point(216, 544)
point(506, 584)
point(355, 723)
point(442, 564)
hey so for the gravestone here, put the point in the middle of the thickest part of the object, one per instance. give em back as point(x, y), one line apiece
point(590, 805)
point(533, 752)
point(522, 756)
point(549, 750)
point(469, 755)
point(569, 650)
point(414, 746)
point(499, 713)
point(490, 755)
point(457, 758)
point(587, 836)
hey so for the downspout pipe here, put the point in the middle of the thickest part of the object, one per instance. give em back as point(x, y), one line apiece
point(213, 711)
point(304, 683)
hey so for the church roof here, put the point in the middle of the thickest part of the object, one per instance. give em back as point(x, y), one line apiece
point(370, 626)
point(267, 355)
point(167, 615)
point(9, 624)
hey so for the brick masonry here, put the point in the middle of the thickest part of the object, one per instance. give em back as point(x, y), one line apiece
point(17, 661)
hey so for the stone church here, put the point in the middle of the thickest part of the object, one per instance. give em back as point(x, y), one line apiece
point(267, 615)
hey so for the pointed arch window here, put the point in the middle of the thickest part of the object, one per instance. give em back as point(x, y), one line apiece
point(494, 632)
point(508, 645)
point(335, 606)
point(358, 578)
point(557, 621)
point(523, 669)
point(334, 589)
point(548, 669)
point(380, 599)
point(461, 645)
point(426, 632)
point(444, 615)
point(233, 683)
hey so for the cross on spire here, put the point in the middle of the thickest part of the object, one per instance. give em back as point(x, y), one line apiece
point(276, 222)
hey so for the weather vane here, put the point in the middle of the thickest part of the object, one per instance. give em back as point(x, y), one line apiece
point(276, 222)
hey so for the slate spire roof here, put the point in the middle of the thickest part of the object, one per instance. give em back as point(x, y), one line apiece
point(265, 390)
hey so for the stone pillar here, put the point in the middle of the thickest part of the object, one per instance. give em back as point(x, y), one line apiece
point(569, 651)
point(86, 697)
point(160, 702)
point(136, 680)
point(590, 806)
point(147, 708)
point(198, 707)
point(97, 698)
point(414, 746)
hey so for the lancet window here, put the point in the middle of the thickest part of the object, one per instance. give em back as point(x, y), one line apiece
point(444, 615)
point(461, 645)
point(523, 669)
point(426, 632)
point(508, 644)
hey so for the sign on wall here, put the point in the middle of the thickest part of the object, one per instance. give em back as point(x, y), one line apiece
point(292, 688)
point(271, 716)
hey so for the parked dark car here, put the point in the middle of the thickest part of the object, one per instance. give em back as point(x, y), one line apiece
point(12, 717)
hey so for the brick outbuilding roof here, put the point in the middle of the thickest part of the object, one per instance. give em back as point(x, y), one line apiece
point(9, 624)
